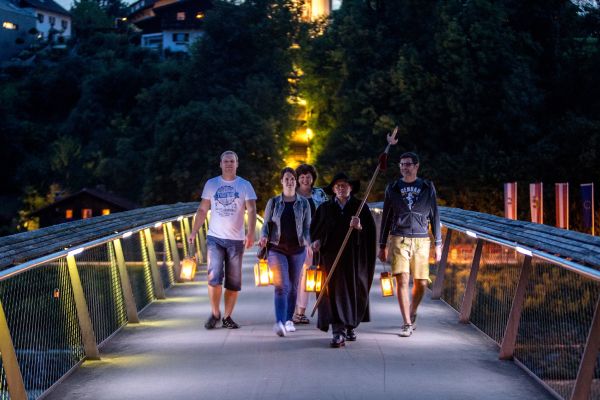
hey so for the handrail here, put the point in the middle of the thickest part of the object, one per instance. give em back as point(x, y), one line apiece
point(20, 268)
point(521, 248)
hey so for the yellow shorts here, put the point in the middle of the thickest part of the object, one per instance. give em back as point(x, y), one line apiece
point(410, 255)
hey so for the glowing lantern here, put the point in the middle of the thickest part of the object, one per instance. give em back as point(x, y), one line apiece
point(262, 273)
point(188, 268)
point(314, 279)
point(387, 284)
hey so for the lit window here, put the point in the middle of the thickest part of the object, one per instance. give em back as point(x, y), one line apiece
point(69, 214)
point(9, 25)
point(181, 16)
point(106, 211)
point(64, 23)
point(86, 213)
point(52, 20)
point(181, 37)
point(199, 15)
point(40, 17)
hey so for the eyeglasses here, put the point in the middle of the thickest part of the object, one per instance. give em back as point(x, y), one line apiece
point(406, 164)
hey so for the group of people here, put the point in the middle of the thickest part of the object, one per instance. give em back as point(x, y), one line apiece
point(305, 225)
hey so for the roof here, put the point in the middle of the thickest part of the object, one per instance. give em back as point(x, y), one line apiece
point(100, 194)
point(46, 5)
point(7, 5)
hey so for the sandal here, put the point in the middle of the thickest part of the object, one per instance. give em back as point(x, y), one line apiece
point(300, 319)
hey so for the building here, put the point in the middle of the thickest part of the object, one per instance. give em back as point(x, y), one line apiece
point(86, 203)
point(18, 29)
point(52, 21)
point(169, 25)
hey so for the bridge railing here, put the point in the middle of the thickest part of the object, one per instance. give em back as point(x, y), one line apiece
point(65, 290)
point(533, 289)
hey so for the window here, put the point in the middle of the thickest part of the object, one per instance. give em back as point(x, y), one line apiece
point(64, 23)
point(181, 37)
point(10, 26)
point(40, 17)
point(106, 211)
point(86, 213)
point(52, 20)
point(69, 214)
point(181, 16)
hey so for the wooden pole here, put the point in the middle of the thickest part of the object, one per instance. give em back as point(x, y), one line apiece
point(391, 140)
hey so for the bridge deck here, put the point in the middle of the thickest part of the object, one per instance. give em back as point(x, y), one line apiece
point(170, 355)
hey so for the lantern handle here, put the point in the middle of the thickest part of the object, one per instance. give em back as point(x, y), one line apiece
point(190, 251)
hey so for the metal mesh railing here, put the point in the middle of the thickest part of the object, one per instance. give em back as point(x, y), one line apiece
point(40, 309)
point(99, 275)
point(460, 258)
point(138, 267)
point(495, 288)
point(163, 255)
point(555, 322)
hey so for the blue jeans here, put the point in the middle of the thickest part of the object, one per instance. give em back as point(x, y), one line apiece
point(286, 275)
point(225, 260)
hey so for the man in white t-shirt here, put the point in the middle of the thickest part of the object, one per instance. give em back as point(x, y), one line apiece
point(227, 197)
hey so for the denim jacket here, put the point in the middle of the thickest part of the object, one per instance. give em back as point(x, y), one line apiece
point(273, 212)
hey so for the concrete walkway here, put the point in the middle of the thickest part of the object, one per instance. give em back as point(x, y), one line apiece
point(170, 355)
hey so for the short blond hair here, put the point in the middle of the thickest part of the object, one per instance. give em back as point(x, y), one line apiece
point(229, 152)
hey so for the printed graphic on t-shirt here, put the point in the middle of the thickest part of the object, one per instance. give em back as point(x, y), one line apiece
point(410, 194)
point(225, 201)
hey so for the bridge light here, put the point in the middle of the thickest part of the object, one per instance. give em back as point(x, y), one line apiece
point(472, 234)
point(127, 234)
point(387, 284)
point(158, 225)
point(524, 251)
point(180, 218)
point(76, 251)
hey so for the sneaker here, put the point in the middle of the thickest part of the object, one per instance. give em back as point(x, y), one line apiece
point(279, 329)
point(406, 330)
point(300, 319)
point(212, 321)
point(413, 321)
point(289, 326)
point(229, 323)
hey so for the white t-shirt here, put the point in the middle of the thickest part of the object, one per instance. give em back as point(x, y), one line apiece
point(227, 206)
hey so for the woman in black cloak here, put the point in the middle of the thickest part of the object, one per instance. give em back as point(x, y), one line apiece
point(346, 303)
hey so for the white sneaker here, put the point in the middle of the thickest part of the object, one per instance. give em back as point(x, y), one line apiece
point(289, 326)
point(279, 329)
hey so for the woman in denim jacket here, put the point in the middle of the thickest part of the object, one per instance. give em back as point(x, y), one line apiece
point(286, 227)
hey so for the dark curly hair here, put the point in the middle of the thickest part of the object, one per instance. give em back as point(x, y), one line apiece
point(290, 170)
point(307, 169)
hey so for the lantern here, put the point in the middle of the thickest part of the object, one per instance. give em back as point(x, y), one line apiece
point(387, 284)
point(263, 276)
point(314, 279)
point(188, 269)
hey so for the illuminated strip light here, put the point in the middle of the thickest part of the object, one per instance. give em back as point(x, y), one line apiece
point(180, 218)
point(76, 251)
point(127, 234)
point(158, 225)
point(472, 234)
point(524, 251)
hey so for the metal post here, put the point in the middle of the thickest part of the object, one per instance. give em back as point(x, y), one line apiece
point(507, 348)
point(85, 323)
point(438, 285)
point(130, 306)
point(585, 375)
point(174, 251)
point(467, 303)
point(184, 235)
point(10, 364)
point(159, 289)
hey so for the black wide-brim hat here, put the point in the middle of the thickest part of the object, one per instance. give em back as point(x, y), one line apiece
point(355, 183)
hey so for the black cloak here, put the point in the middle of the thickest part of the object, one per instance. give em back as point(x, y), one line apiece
point(347, 299)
